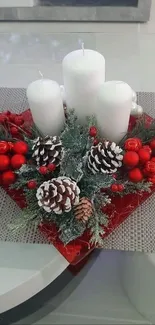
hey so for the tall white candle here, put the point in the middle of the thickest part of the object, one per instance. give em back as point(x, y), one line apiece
point(114, 102)
point(83, 73)
point(44, 97)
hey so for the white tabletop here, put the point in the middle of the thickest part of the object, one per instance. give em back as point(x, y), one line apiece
point(25, 269)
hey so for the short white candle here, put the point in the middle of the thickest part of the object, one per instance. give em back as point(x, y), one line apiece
point(44, 97)
point(114, 102)
point(83, 73)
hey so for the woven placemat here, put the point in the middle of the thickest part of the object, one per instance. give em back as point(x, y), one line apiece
point(137, 233)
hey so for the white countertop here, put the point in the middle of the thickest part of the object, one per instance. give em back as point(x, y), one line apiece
point(25, 269)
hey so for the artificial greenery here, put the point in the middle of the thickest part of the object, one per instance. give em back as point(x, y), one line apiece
point(76, 142)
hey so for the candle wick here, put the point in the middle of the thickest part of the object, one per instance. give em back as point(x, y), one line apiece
point(83, 48)
point(41, 74)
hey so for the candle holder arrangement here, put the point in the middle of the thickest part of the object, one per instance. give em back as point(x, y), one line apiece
point(78, 173)
point(77, 187)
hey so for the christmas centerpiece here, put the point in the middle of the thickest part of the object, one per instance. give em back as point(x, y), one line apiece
point(77, 174)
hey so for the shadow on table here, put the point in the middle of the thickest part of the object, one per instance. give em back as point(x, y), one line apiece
point(44, 298)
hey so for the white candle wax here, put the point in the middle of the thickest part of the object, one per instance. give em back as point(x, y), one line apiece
point(114, 102)
point(46, 106)
point(83, 73)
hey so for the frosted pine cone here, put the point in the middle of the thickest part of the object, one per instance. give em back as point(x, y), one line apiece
point(47, 150)
point(105, 158)
point(83, 210)
point(58, 195)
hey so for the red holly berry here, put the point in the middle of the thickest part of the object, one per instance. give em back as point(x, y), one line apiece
point(14, 131)
point(147, 148)
point(32, 184)
point(152, 144)
point(114, 188)
point(135, 175)
point(17, 161)
point(51, 167)
point(11, 146)
point(93, 131)
point(144, 155)
point(4, 162)
point(4, 147)
point(151, 179)
point(133, 144)
point(95, 142)
point(21, 147)
point(18, 120)
point(120, 187)
point(8, 177)
point(43, 170)
point(131, 159)
point(150, 167)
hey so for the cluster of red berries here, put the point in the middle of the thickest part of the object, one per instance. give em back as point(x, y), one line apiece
point(43, 170)
point(12, 157)
point(12, 122)
point(93, 134)
point(139, 159)
point(117, 187)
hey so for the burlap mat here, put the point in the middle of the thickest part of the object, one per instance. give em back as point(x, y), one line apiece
point(137, 233)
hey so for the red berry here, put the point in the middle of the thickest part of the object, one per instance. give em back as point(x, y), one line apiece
point(4, 147)
point(93, 131)
point(133, 144)
point(32, 184)
point(43, 170)
point(153, 159)
point(144, 155)
point(131, 159)
point(114, 188)
point(151, 179)
point(147, 148)
point(17, 161)
point(4, 162)
point(120, 187)
point(152, 144)
point(18, 120)
point(14, 131)
point(95, 142)
point(51, 167)
point(8, 177)
point(135, 175)
point(11, 146)
point(150, 167)
point(20, 147)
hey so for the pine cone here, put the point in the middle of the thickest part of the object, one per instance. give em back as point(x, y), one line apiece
point(47, 150)
point(83, 210)
point(105, 158)
point(58, 195)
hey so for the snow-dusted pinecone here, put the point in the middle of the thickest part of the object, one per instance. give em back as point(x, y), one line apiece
point(47, 150)
point(83, 210)
point(105, 158)
point(58, 195)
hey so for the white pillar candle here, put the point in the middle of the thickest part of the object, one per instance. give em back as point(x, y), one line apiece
point(44, 97)
point(83, 73)
point(114, 102)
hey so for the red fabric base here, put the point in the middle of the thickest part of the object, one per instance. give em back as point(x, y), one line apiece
point(118, 211)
